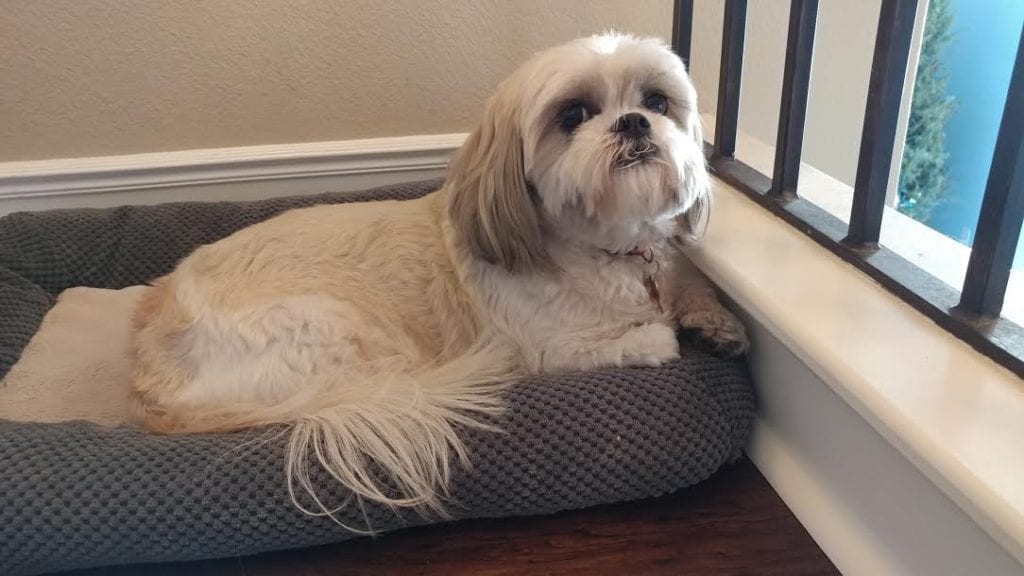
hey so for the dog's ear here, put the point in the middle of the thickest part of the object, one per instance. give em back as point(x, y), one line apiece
point(694, 222)
point(490, 205)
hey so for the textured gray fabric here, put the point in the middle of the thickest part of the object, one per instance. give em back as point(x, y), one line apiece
point(77, 495)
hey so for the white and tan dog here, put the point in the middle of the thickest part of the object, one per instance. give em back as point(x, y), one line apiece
point(377, 330)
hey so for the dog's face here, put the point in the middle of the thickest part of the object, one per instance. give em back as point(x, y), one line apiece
point(595, 143)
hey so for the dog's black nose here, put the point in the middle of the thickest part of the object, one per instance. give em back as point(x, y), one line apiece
point(633, 124)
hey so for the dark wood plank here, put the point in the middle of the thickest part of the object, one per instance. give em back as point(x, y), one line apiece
point(733, 524)
point(219, 567)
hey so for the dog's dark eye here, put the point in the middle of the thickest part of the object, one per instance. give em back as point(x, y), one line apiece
point(574, 114)
point(656, 103)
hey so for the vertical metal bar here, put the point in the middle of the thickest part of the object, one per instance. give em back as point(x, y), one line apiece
point(1002, 209)
point(885, 91)
point(682, 29)
point(796, 82)
point(728, 112)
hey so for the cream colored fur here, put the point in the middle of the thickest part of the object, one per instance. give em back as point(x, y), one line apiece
point(377, 331)
point(78, 365)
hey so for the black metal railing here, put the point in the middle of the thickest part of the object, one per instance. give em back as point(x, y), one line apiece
point(971, 314)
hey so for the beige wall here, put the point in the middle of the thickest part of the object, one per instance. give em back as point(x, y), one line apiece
point(844, 44)
point(99, 77)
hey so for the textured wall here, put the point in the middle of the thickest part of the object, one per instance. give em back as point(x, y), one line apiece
point(97, 77)
point(844, 44)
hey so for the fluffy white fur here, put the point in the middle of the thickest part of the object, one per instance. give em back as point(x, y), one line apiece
point(378, 330)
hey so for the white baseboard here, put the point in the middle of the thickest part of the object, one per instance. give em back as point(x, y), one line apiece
point(241, 173)
point(868, 508)
point(912, 433)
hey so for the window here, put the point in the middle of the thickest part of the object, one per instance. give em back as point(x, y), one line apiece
point(902, 221)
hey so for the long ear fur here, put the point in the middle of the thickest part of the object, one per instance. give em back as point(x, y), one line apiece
point(490, 204)
point(694, 222)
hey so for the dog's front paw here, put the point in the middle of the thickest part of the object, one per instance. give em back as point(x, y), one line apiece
point(715, 329)
point(649, 345)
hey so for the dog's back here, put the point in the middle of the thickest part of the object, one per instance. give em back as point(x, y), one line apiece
point(327, 289)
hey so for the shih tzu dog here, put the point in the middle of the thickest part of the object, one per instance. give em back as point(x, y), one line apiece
point(375, 331)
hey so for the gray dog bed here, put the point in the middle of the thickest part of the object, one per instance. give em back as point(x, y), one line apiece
point(76, 494)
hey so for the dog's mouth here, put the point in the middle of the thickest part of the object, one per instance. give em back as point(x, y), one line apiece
point(633, 153)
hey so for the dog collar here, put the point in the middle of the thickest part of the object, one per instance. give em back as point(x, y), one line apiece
point(650, 278)
point(646, 253)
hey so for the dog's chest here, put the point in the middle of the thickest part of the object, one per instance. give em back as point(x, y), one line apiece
point(625, 286)
point(602, 296)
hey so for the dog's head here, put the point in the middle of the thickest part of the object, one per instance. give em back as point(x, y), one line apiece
point(596, 143)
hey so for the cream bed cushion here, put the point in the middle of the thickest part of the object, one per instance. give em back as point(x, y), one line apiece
point(78, 365)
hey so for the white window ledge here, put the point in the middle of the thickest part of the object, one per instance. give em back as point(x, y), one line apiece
point(954, 414)
point(934, 252)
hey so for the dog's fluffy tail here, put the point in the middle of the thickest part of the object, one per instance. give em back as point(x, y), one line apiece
point(390, 438)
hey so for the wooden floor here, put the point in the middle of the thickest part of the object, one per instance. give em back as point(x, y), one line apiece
point(733, 524)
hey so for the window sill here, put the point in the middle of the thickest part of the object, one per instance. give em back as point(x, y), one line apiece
point(930, 250)
point(953, 413)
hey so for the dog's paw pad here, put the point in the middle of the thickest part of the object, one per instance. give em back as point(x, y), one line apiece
point(716, 331)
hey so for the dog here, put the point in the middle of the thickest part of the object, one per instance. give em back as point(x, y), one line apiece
point(377, 331)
